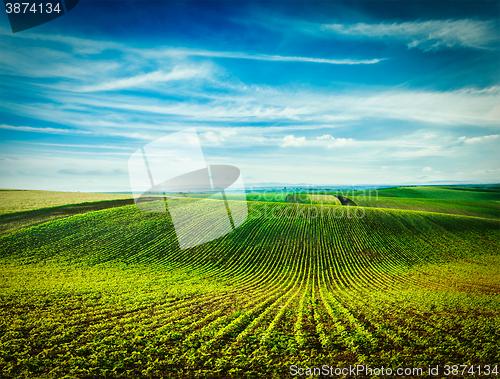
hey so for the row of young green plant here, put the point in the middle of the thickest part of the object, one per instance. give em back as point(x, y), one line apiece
point(287, 291)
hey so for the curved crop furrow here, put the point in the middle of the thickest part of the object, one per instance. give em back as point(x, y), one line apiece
point(267, 334)
point(359, 328)
point(300, 335)
point(254, 308)
point(289, 285)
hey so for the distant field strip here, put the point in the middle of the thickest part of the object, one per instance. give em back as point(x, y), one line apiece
point(451, 200)
point(12, 201)
point(445, 193)
point(109, 293)
point(489, 209)
point(11, 222)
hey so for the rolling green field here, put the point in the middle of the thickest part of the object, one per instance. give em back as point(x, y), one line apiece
point(108, 293)
point(476, 202)
point(467, 201)
point(447, 193)
point(11, 222)
point(324, 199)
point(13, 201)
point(489, 209)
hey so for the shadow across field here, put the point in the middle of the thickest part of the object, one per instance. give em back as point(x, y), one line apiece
point(12, 222)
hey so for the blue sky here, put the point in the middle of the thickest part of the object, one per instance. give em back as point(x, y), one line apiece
point(327, 93)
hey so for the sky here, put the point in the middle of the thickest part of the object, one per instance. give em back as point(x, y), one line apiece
point(324, 93)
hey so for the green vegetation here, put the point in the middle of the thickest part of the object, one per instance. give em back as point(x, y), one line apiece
point(20, 200)
point(267, 196)
point(468, 201)
point(110, 294)
point(489, 209)
point(324, 199)
point(11, 222)
point(300, 198)
point(281, 197)
point(446, 193)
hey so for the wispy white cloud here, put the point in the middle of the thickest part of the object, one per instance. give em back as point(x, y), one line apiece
point(427, 35)
point(218, 96)
point(427, 169)
point(83, 46)
point(151, 78)
point(144, 118)
point(262, 57)
point(218, 137)
point(44, 130)
point(53, 61)
point(83, 146)
point(78, 45)
point(73, 171)
point(463, 106)
point(332, 142)
point(423, 151)
point(480, 139)
point(60, 131)
point(290, 140)
point(494, 114)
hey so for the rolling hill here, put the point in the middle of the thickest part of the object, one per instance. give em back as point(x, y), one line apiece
point(109, 293)
point(443, 192)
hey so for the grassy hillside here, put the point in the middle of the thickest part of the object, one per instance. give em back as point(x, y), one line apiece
point(468, 201)
point(109, 293)
point(489, 209)
point(324, 199)
point(12, 201)
point(446, 193)
point(10, 222)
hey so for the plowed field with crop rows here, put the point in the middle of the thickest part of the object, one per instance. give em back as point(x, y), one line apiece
point(110, 294)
